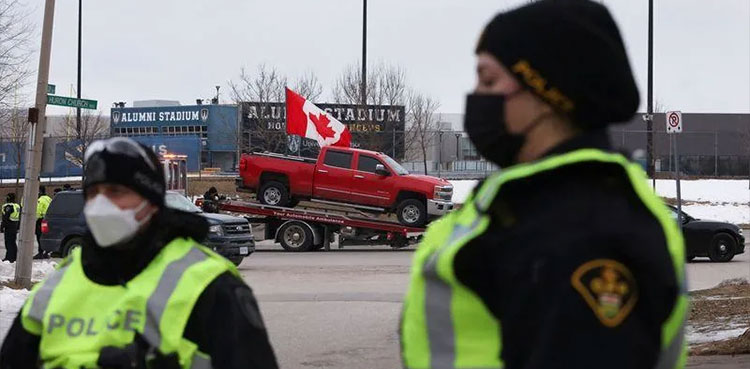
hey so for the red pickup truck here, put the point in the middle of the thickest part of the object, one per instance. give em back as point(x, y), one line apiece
point(359, 178)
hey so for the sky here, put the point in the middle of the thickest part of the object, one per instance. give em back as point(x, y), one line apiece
point(181, 49)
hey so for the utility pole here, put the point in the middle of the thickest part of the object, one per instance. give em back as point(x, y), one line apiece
point(78, 110)
point(364, 53)
point(34, 153)
point(650, 97)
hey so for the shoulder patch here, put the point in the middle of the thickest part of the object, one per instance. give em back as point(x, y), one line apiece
point(608, 287)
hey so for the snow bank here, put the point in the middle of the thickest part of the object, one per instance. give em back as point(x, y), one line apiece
point(720, 199)
point(462, 189)
point(694, 337)
point(706, 190)
point(11, 300)
point(39, 270)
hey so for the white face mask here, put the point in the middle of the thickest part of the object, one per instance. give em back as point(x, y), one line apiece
point(109, 224)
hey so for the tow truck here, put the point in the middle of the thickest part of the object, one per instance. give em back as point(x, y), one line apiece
point(304, 228)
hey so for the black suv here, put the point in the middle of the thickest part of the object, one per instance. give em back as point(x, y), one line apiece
point(64, 225)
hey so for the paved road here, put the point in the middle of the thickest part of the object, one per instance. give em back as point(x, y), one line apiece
point(340, 309)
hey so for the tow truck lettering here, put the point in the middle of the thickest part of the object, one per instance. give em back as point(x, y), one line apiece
point(92, 326)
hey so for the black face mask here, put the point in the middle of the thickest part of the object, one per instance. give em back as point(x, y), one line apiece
point(484, 121)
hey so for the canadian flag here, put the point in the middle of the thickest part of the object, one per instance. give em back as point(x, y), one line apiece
point(305, 119)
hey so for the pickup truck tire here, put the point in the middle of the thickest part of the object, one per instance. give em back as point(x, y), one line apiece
point(273, 193)
point(295, 237)
point(236, 260)
point(412, 213)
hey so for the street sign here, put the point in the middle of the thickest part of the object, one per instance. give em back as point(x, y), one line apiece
point(71, 102)
point(674, 122)
point(50, 89)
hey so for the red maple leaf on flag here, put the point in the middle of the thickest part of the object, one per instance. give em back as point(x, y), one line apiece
point(321, 125)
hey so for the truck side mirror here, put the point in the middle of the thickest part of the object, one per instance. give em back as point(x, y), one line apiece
point(380, 170)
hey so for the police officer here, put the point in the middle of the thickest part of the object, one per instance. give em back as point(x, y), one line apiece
point(42, 204)
point(141, 291)
point(11, 213)
point(564, 259)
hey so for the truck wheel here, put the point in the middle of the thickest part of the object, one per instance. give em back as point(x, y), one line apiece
point(236, 260)
point(71, 245)
point(722, 247)
point(296, 237)
point(273, 193)
point(412, 213)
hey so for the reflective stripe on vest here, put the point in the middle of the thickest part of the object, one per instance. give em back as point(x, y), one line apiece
point(434, 320)
point(76, 317)
point(16, 214)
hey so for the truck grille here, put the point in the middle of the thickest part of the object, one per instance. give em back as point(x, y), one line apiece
point(236, 228)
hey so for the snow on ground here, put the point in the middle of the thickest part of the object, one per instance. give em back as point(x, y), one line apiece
point(714, 199)
point(694, 337)
point(11, 300)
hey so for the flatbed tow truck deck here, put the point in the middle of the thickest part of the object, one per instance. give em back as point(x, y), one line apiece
point(312, 228)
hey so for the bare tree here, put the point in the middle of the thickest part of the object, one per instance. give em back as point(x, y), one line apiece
point(93, 127)
point(14, 129)
point(421, 123)
point(15, 49)
point(266, 88)
point(386, 85)
point(308, 86)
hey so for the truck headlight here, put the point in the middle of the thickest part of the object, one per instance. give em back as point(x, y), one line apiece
point(216, 229)
point(443, 193)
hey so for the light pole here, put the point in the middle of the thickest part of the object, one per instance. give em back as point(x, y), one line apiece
point(458, 144)
point(78, 110)
point(650, 96)
point(440, 151)
point(364, 53)
point(37, 126)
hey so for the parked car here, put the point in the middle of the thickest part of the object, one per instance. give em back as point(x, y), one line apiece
point(64, 226)
point(363, 179)
point(719, 241)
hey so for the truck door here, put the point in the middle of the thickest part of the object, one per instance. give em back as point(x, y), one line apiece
point(368, 187)
point(332, 178)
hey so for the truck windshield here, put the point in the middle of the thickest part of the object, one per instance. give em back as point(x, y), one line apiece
point(395, 165)
point(176, 201)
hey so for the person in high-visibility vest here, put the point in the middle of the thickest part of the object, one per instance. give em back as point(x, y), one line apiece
point(42, 204)
point(565, 258)
point(11, 216)
point(140, 291)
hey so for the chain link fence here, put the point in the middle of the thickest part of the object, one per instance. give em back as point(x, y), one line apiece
point(701, 153)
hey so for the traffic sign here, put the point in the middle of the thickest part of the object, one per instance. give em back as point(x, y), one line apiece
point(50, 89)
point(71, 102)
point(674, 121)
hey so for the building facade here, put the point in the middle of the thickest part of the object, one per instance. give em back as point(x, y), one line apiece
point(207, 134)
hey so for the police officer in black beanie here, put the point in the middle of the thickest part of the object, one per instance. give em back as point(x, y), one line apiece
point(564, 259)
point(148, 294)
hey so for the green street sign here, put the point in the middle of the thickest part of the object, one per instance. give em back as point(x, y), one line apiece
point(71, 102)
point(50, 89)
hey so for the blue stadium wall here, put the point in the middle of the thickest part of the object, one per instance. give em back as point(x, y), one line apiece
point(67, 155)
point(214, 125)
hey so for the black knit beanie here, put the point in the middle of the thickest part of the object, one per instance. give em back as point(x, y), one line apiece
point(137, 168)
point(571, 55)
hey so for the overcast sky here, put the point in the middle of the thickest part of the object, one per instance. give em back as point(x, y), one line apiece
point(181, 49)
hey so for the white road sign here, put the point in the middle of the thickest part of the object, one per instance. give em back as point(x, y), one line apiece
point(674, 122)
